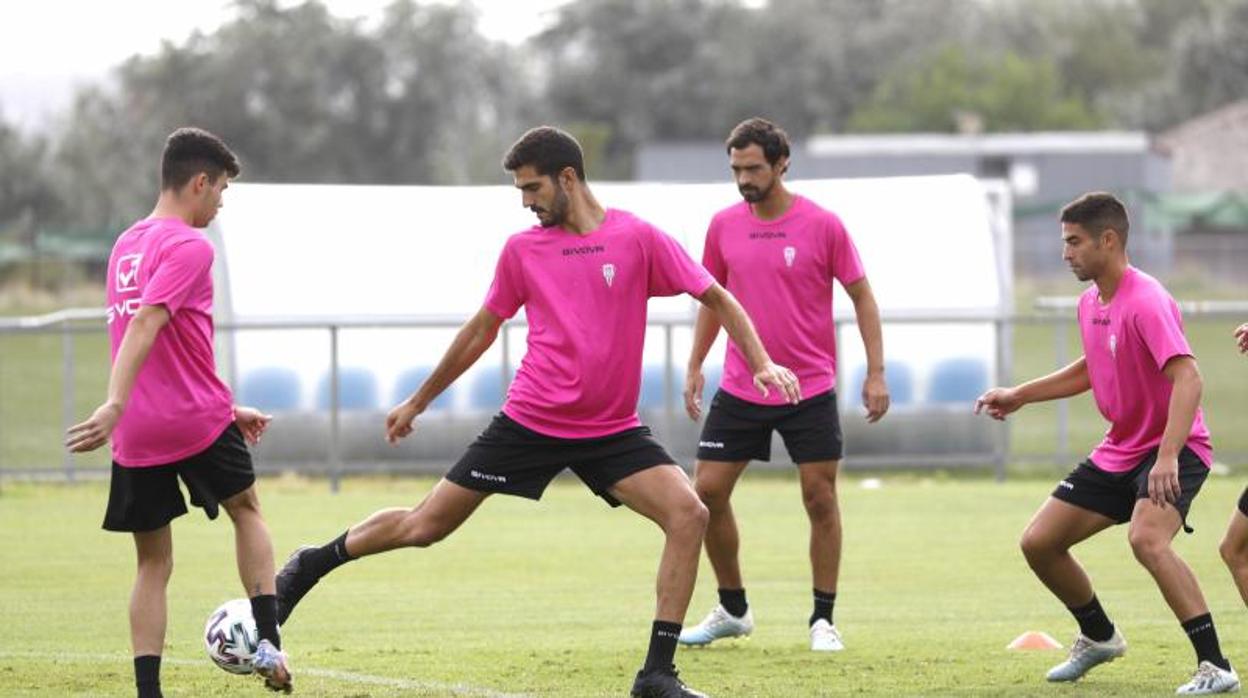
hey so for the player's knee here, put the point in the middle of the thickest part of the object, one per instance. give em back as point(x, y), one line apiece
point(713, 495)
point(690, 517)
point(1036, 546)
point(820, 503)
point(423, 531)
point(1233, 553)
point(1149, 548)
point(158, 568)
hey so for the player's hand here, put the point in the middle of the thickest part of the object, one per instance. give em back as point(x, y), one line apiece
point(875, 397)
point(782, 379)
point(1163, 481)
point(399, 422)
point(94, 432)
point(694, 383)
point(1241, 338)
point(252, 422)
point(998, 402)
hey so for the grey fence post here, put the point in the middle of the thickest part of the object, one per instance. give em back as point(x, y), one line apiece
point(67, 393)
point(335, 452)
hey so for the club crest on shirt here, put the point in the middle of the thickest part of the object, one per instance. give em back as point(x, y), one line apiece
point(1113, 345)
point(608, 273)
point(128, 272)
point(790, 253)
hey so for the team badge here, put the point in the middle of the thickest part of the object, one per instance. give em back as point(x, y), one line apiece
point(789, 254)
point(608, 273)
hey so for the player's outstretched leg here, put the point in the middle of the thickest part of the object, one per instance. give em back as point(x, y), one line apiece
point(254, 551)
point(664, 495)
point(441, 512)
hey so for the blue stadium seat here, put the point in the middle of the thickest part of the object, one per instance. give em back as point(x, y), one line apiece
point(410, 380)
point(357, 390)
point(900, 383)
point(487, 390)
point(270, 388)
point(651, 388)
point(958, 380)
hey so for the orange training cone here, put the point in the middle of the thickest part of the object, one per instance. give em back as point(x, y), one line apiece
point(1034, 640)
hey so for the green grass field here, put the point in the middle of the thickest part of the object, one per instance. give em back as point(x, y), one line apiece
point(555, 599)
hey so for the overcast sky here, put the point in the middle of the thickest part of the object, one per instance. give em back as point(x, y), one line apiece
point(47, 47)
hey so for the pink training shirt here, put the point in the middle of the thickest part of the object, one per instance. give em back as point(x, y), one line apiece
point(178, 406)
point(585, 300)
point(781, 271)
point(1126, 345)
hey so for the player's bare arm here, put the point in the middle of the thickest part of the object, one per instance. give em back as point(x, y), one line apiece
point(476, 336)
point(1241, 338)
point(251, 422)
point(1066, 382)
point(735, 320)
point(1163, 479)
point(875, 396)
point(705, 330)
point(135, 346)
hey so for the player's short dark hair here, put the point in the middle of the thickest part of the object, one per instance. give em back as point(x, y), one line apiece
point(1097, 212)
point(763, 133)
point(548, 150)
point(189, 151)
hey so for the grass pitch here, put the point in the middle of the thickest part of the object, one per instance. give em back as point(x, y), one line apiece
point(556, 598)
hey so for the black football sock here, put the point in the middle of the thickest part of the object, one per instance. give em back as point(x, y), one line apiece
point(323, 560)
point(733, 601)
point(825, 601)
point(663, 636)
point(147, 676)
point(264, 610)
point(1204, 639)
point(1093, 622)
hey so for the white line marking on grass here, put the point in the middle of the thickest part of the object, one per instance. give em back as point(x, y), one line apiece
point(458, 689)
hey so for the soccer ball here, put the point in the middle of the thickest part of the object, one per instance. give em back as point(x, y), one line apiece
point(230, 636)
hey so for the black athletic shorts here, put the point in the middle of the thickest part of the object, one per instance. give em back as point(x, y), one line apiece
point(508, 458)
point(147, 498)
point(1115, 494)
point(1243, 502)
point(737, 430)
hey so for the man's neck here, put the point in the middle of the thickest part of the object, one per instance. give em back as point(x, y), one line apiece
point(777, 203)
point(585, 215)
point(168, 206)
point(1110, 280)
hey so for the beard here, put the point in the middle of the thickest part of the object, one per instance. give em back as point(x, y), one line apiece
point(753, 194)
point(558, 212)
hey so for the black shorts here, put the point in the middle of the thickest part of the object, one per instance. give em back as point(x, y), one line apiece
point(1243, 502)
point(737, 430)
point(508, 458)
point(147, 498)
point(1115, 494)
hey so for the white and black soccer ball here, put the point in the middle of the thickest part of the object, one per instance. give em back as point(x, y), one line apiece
point(230, 636)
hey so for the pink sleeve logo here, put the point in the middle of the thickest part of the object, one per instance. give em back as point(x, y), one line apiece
point(128, 272)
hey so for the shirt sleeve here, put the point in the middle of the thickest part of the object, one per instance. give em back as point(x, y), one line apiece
point(1160, 328)
point(713, 255)
point(180, 269)
point(506, 293)
point(844, 263)
point(672, 270)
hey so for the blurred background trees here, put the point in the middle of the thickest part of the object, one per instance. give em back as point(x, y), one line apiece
point(421, 97)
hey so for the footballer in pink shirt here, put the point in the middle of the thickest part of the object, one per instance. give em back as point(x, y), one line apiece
point(779, 254)
point(1234, 546)
point(1153, 459)
point(583, 275)
point(168, 415)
